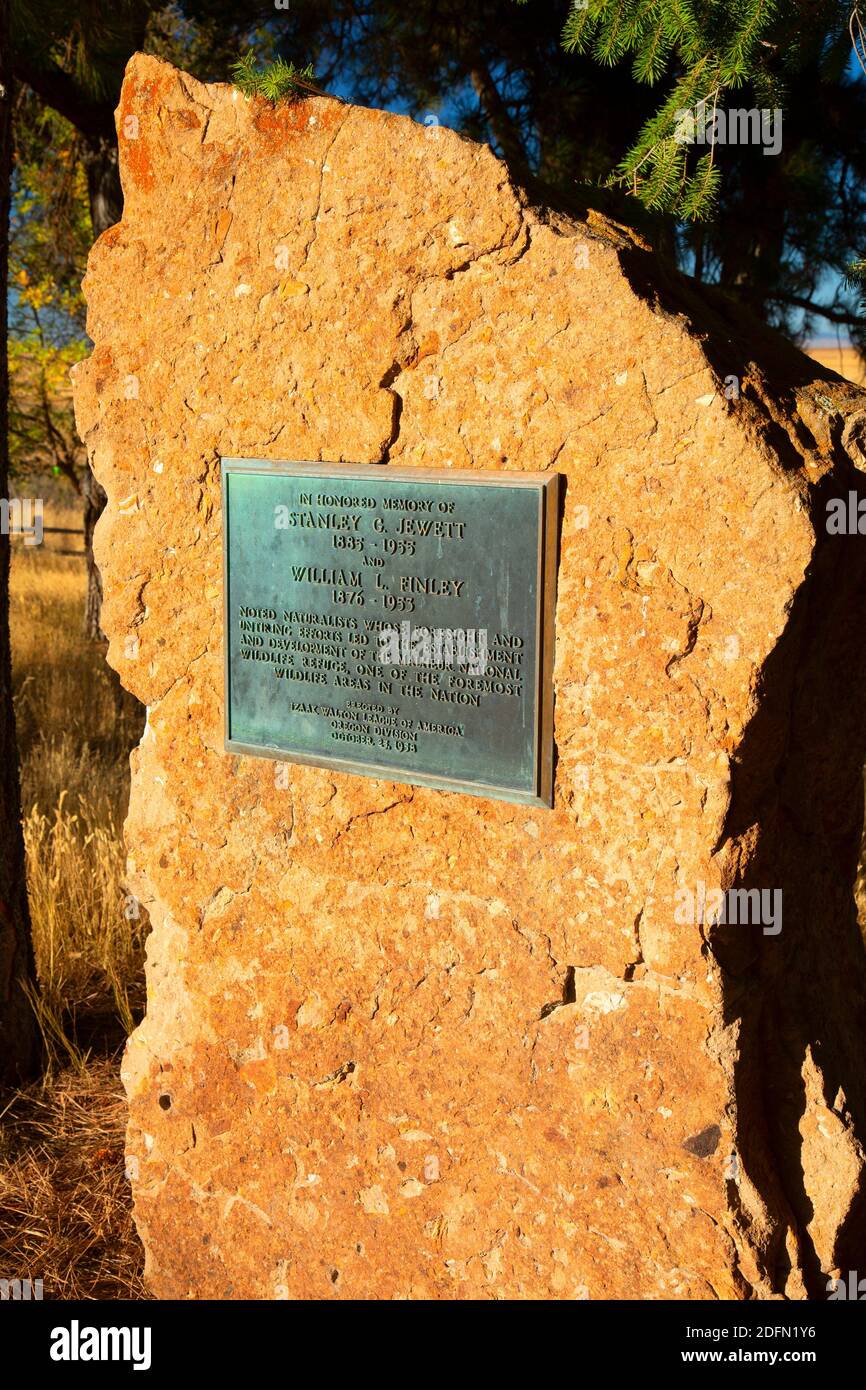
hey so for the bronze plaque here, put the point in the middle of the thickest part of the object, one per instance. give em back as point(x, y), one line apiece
point(396, 623)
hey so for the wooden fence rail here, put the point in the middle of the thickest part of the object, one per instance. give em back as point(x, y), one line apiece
point(55, 531)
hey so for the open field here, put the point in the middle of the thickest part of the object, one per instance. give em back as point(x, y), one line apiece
point(845, 361)
point(64, 1201)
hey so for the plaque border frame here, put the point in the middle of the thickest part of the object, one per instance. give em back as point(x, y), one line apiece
point(547, 486)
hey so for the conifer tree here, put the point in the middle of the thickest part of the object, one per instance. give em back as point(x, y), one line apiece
point(709, 56)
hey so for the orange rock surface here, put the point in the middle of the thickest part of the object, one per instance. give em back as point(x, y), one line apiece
point(402, 1043)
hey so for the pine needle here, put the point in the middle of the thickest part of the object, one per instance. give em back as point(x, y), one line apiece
point(276, 82)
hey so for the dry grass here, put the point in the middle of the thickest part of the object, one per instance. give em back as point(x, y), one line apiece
point(65, 1214)
point(75, 724)
point(64, 1200)
point(843, 360)
point(88, 938)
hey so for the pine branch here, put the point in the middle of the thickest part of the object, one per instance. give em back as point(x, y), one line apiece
point(858, 37)
point(278, 81)
point(651, 61)
point(712, 48)
point(699, 196)
point(847, 317)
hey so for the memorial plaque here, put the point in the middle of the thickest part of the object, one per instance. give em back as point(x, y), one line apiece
point(394, 623)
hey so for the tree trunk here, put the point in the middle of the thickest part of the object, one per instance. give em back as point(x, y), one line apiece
point(503, 128)
point(94, 501)
point(106, 208)
point(19, 1034)
point(103, 182)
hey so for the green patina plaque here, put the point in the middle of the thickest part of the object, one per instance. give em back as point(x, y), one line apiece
point(393, 623)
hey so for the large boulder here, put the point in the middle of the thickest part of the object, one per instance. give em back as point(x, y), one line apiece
point(405, 1043)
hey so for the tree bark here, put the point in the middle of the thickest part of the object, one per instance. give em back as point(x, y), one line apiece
point(103, 180)
point(94, 502)
point(19, 1033)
